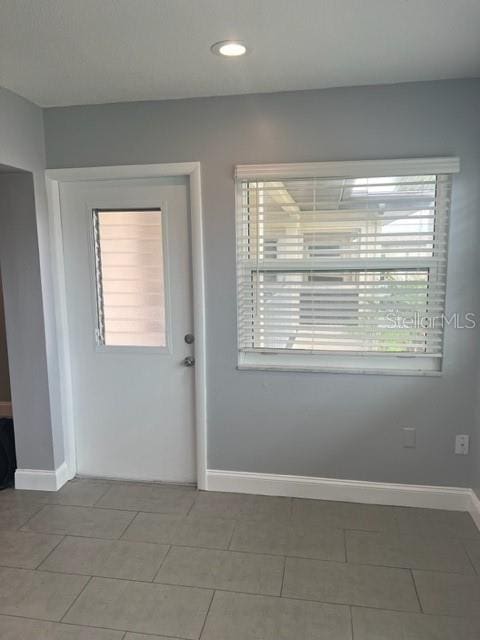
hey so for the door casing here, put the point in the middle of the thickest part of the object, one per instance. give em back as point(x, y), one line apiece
point(192, 170)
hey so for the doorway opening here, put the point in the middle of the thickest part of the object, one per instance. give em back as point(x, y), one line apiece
point(5, 391)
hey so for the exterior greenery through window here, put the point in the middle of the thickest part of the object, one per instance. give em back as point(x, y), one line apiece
point(345, 272)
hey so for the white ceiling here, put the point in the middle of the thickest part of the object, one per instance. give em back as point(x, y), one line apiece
point(63, 52)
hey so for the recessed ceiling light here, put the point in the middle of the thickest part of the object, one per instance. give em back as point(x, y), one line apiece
point(229, 48)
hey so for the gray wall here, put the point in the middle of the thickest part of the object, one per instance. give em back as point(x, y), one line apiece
point(345, 426)
point(4, 375)
point(475, 445)
point(24, 320)
point(25, 264)
point(475, 453)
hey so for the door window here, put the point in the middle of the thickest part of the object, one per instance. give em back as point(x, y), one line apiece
point(130, 278)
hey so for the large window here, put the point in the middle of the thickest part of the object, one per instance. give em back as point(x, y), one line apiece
point(130, 279)
point(343, 265)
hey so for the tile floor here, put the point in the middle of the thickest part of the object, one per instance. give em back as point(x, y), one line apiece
point(106, 560)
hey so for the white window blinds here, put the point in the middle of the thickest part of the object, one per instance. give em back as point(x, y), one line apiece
point(130, 278)
point(349, 266)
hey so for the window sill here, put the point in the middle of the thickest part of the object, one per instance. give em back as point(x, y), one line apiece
point(371, 364)
point(345, 370)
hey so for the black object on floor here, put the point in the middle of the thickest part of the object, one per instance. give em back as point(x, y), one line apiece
point(8, 460)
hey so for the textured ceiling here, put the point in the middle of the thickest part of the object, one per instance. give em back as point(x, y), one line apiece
point(63, 52)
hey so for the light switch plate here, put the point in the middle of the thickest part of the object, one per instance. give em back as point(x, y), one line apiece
point(461, 444)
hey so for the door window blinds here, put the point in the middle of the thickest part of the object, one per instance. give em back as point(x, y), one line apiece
point(342, 266)
point(130, 281)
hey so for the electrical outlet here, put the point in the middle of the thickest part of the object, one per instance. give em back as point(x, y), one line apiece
point(461, 445)
point(409, 437)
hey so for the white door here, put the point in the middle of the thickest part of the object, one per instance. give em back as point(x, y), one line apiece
point(129, 301)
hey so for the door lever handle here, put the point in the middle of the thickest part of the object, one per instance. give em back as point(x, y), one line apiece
point(189, 361)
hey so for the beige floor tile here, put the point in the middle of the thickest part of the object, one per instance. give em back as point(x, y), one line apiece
point(337, 582)
point(235, 616)
point(14, 513)
point(80, 493)
point(226, 570)
point(374, 624)
point(36, 594)
point(408, 551)
point(305, 541)
point(107, 558)
point(214, 533)
point(24, 629)
point(242, 506)
point(25, 550)
point(344, 515)
point(80, 521)
point(142, 607)
point(16, 496)
point(153, 527)
point(125, 551)
point(448, 593)
point(153, 498)
point(436, 523)
point(473, 549)
point(138, 636)
point(208, 532)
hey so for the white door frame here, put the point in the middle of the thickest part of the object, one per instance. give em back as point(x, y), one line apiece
point(54, 177)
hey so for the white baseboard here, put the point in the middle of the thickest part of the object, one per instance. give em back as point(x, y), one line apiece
point(406, 495)
point(42, 479)
point(5, 409)
point(474, 509)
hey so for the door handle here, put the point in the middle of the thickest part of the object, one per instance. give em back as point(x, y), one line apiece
point(189, 361)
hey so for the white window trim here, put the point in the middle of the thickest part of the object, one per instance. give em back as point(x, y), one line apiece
point(348, 169)
point(342, 362)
